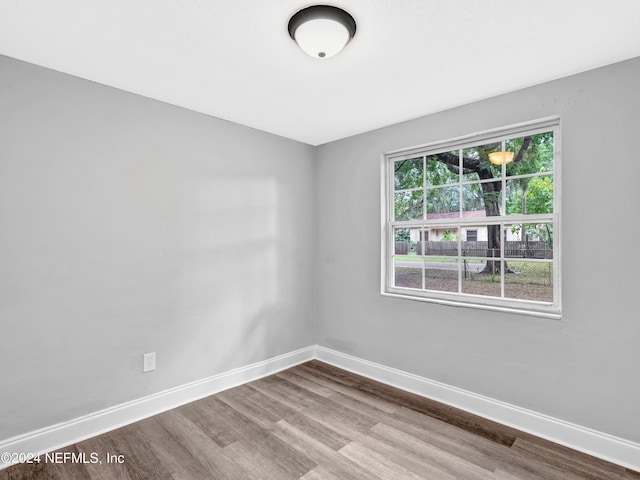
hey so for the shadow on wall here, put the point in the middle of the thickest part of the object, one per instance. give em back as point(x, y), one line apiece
point(230, 282)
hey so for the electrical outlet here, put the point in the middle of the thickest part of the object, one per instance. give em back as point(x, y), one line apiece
point(149, 362)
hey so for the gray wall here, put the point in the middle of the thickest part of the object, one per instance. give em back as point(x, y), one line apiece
point(127, 226)
point(582, 369)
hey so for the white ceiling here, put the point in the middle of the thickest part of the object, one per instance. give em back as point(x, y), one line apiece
point(234, 59)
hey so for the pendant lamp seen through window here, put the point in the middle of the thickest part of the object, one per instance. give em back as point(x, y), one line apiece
point(498, 158)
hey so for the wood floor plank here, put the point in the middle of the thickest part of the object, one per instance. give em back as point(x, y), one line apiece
point(329, 459)
point(238, 399)
point(24, 471)
point(533, 470)
point(319, 473)
point(72, 470)
point(373, 400)
point(580, 464)
point(171, 454)
point(458, 442)
point(319, 431)
point(277, 408)
point(439, 462)
point(491, 430)
point(255, 465)
point(215, 418)
point(54, 466)
point(200, 446)
point(338, 419)
point(377, 465)
point(323, 410)
point(481, 427)
point(332, 373)
point(423, 466)
point(282, 391)
point(258, 433)
point(315, 421)
point(104, 446)
point(140, 459)
point(303, 382)
point(452, 438)
point(359, 407)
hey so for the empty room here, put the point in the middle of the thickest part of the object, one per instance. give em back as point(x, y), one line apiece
point(280, 240)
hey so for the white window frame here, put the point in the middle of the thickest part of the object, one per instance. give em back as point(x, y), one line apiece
point(528, 307)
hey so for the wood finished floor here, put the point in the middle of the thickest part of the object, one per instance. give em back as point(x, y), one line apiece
point(315, 422)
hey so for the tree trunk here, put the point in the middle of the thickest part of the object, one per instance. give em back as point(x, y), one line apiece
point(523, 228)
point(493, 236)
point(491, 193)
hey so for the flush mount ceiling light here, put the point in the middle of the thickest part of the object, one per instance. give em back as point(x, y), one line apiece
point(498, 158)
point(322, 31)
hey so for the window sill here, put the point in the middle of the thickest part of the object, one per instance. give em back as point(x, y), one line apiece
point(551, 314)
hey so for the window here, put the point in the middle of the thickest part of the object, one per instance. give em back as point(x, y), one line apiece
point(459, 229)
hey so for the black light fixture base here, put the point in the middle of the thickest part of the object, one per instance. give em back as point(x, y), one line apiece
point(325, 12)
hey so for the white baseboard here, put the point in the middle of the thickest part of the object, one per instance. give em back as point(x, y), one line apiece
point(67, 433)
point(598, 444)
point(592, 442)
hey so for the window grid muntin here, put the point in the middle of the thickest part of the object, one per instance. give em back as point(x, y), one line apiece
point(496, 135)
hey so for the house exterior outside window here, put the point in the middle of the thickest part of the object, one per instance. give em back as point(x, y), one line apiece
point(460, 230)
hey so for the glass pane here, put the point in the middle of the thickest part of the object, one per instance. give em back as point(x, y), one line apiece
point(408, 173)
point(407, 274)
point(529, 240)
point(472, 198)
point(530, 195)
point(481, 199)
point(443, 203)
point(529, 281)
point(443, 168)
point(533, 154)
point(474, 241)
point(441, 274)
point(476, 164)
point(481, 277)
point(441, 241)
point(494, 241)
point(408, 243)
point(409, 205)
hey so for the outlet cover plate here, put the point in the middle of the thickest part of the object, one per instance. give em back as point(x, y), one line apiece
point(149, 362)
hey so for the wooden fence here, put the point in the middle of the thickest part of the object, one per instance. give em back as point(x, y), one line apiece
point(512, 249)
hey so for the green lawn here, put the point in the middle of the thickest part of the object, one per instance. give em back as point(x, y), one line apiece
point(531, 280)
